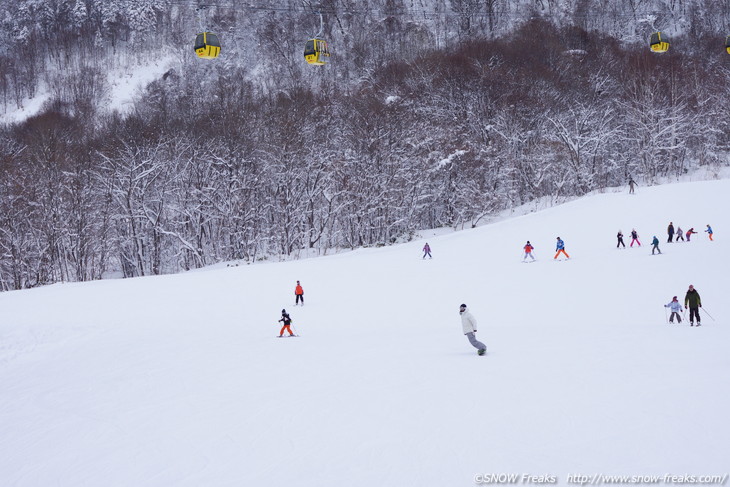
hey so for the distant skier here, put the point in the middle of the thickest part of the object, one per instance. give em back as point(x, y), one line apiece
point(689, 233)
point(670, 232)
point(528, 251)
point(634, 238)
point(469, 325)
point(680, 234)
point(427, 251)
point(620, 238)
point(655, 245)
point(287, 323)
point(692, 299)
point(709, 231)
point(560, 248)
point(299, 294)
point(632, 183)
point(675, 308)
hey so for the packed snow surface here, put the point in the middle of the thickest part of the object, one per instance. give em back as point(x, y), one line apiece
point(181, 380)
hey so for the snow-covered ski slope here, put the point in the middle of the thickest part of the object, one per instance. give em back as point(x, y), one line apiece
point(180, 381)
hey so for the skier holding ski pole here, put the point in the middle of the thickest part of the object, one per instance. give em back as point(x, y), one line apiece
point(528, 248)
point(675, 307)
point(692, 299)
point(560, 249)
point(287, 324)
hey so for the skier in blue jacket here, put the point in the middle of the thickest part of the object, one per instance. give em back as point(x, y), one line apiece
point(675, 306)
point(655, 245)
point(560, 249)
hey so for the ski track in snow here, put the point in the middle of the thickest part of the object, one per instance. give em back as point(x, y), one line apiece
point(180, 380)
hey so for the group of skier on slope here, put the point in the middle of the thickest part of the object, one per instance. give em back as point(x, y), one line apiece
point(559, 249)
point(469, 324)
point(692, 302)
point(285, 317)
point(655, 241)
point(671, 233)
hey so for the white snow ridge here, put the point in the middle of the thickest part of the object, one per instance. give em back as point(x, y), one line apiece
point(181, 381)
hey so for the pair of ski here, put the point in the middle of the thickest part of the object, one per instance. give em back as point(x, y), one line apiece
point(287, 336)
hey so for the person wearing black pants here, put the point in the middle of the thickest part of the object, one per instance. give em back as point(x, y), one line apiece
point(692, 299)
point(299, 293)
point(670, 232)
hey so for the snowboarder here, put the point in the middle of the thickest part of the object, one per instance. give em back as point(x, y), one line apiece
point(680, 234)
point(427, 251)
point(560, 247)
point(632, 183)
point(634, 238)
point(675, 308)
point(620, 237)
point(709, 231)
point(528, 251)
point(692, 299)
point(469, 325)
point(689, 233)
point(299, 294)
point(670, 232)
point(655, 245)
point(287, 323)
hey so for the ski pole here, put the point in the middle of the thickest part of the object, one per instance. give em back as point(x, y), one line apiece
point(666, 318)
point(708, 314)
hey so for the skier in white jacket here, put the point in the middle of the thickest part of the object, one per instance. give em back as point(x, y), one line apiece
point(469, 324)
point(676, 308)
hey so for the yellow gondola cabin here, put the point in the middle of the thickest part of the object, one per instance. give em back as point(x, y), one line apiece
point(657, 44)
point(316, 52)
point(207, 45)
point(727, 44)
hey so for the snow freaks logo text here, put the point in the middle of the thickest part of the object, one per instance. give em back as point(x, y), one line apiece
point(514, 478)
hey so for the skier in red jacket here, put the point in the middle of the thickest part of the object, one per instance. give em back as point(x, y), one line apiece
point(528, 251)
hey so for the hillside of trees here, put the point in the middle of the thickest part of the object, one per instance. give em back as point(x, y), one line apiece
point(432, 113)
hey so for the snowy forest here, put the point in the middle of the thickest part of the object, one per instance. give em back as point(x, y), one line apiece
point(431, 113)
